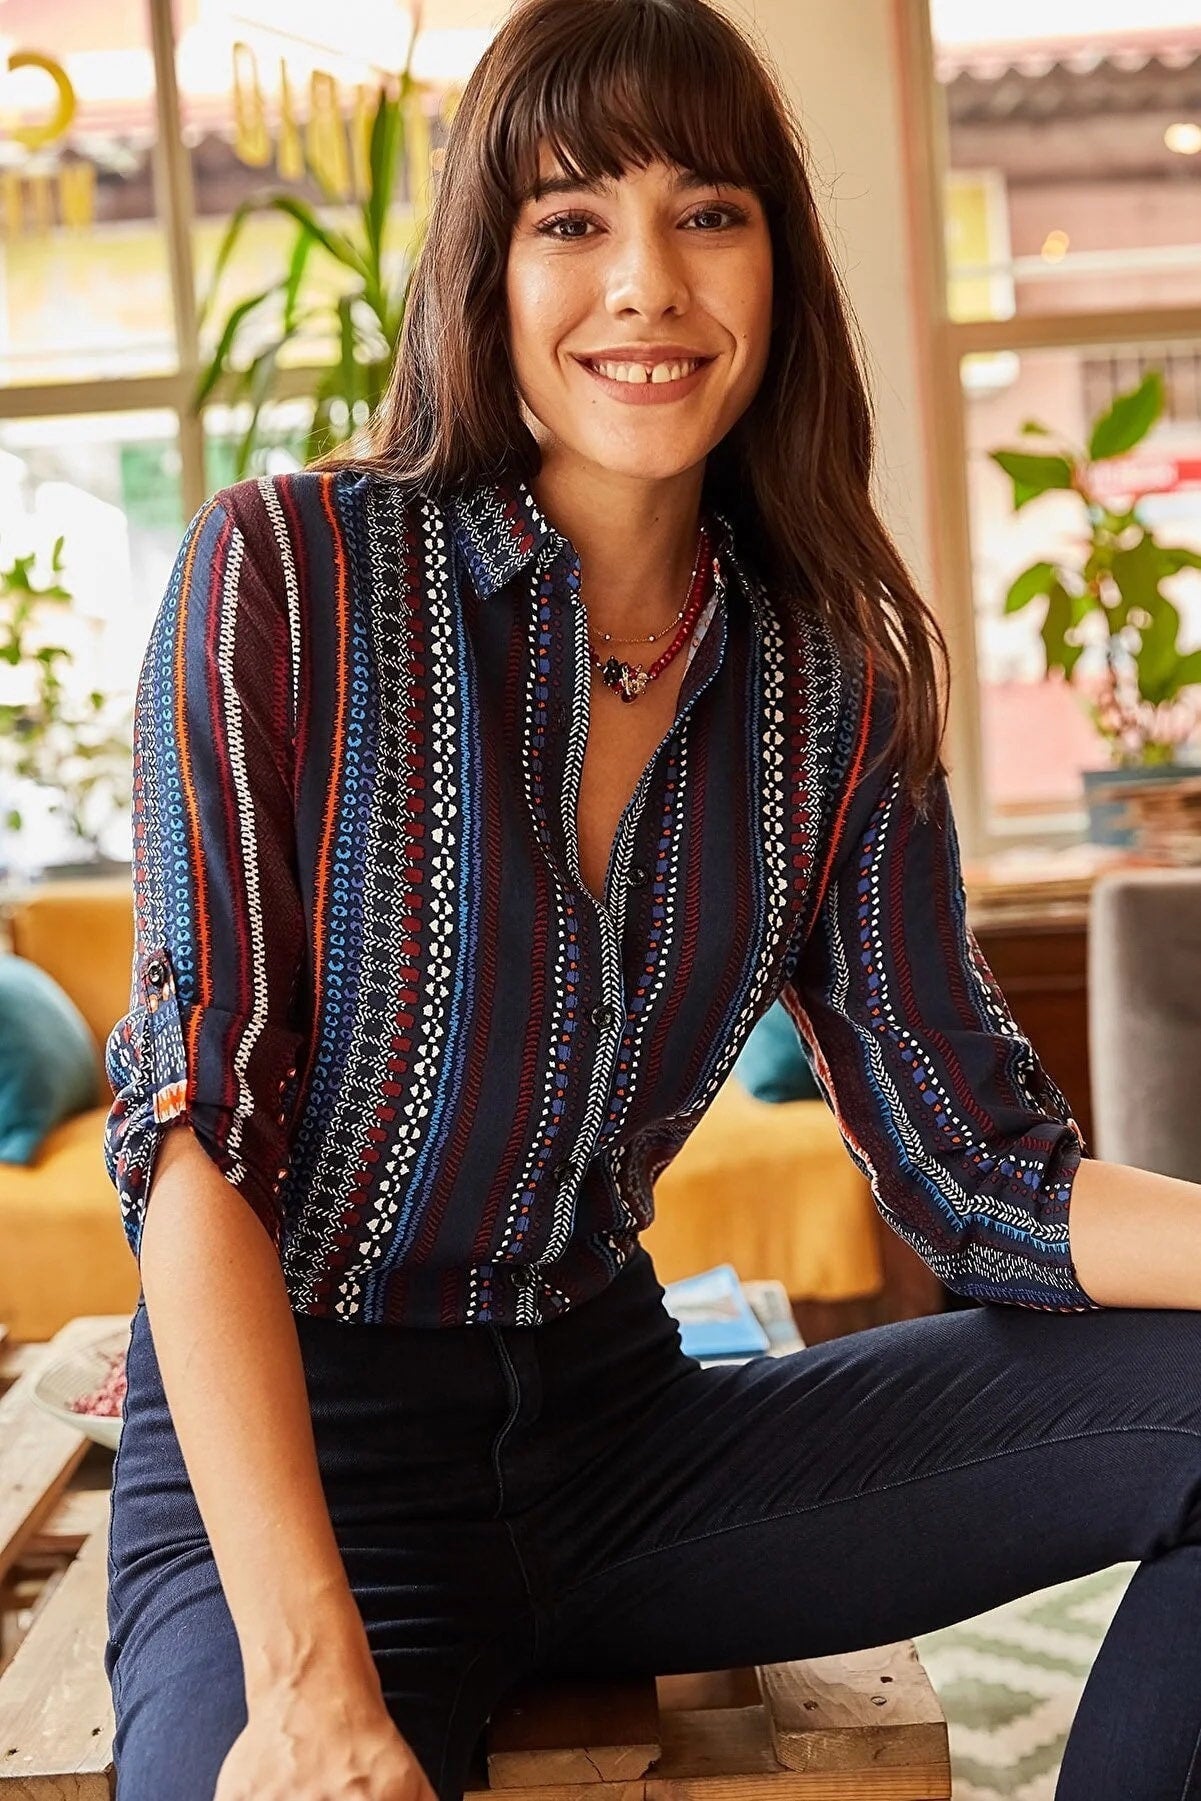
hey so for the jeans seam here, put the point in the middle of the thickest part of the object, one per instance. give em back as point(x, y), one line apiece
point(786, 1513)
point(1192, 1765)
point(453, 1710)
point(535, 1612)
point(514, 1388)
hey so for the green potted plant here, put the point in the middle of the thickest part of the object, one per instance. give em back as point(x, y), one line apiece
point(1111, 594)
point(354, 333)
point(51, 736)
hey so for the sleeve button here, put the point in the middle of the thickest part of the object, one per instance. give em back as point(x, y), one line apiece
point(156, 971)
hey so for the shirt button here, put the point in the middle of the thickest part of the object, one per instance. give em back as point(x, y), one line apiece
point(603, 1014)
point(562, 1173)
point(156, 972)
point(561, 715)
point(637, 875)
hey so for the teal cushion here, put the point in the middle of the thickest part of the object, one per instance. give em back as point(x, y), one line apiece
point(47, 1060)
point(773, 1063)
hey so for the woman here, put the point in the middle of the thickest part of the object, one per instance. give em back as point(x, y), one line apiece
point(491, 784)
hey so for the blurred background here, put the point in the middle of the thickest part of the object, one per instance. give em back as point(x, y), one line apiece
point(1014, 196)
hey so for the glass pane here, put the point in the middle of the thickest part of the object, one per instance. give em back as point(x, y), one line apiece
point(108, 484)
point(278, 97)
point(279, 440)
point(78, 197)
point(1074, 147)
point(1037, 731)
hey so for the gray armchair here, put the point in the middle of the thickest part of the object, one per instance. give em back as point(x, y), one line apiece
point(1144, 981)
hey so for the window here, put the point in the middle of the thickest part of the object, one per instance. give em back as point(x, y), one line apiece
point(1070, 224)
point(133, 130)
point(1036, 735)
point(79, 198)
point(1074, 177)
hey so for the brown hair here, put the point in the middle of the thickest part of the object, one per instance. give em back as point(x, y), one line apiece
point(610, 84)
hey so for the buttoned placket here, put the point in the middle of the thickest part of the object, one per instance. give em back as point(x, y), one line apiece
point(609, 1017)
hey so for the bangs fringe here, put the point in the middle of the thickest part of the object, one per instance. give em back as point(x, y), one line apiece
point(627, 85)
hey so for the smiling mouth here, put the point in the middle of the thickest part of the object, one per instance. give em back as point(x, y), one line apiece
point(642, 373)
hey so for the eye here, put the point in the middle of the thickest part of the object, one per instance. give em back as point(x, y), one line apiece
point(737, 215)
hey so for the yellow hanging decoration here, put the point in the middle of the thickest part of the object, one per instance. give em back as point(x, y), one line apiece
point(13, 199)
point(252, 140)
point(361, 120)
point(325, 137)
point(38, 187)
point(77, 195)
point(33, 137)
point(289, 152)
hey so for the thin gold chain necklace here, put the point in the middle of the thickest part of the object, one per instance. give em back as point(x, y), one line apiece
point(631, 679)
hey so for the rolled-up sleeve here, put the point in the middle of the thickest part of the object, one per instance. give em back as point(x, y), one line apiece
point(969, 1146)
point(215, 1030)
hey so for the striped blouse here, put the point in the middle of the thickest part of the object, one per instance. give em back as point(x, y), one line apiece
point(368, 973)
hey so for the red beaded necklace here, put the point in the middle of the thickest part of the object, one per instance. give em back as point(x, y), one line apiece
point(631, 679)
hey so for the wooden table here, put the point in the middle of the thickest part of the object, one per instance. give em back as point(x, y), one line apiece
point(56, 1720)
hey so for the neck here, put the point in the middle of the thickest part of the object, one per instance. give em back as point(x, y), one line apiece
point(636, 540)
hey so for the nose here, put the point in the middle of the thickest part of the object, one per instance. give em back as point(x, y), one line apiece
point(647, 274)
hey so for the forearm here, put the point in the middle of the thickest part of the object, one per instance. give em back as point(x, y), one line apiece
point(1135, 1236)
point(230, 1360)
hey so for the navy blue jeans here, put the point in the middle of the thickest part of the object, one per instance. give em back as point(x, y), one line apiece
point(583, 1497)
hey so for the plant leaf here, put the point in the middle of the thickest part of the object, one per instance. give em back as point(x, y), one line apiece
point(1060, 653)
point(219, 362)
point(1033, 475)
point(1128, 420)
point(1035, 580)
point(1178, 556)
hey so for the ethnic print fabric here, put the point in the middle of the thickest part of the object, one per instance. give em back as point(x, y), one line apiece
point(369, 974)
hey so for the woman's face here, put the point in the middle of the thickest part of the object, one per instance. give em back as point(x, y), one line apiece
point(653, 264)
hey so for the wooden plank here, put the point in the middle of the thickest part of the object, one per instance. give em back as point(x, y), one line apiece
point(567, 1732)
point(870, 1709)
point(725, 1754)
point(38, 1453)
point(569, 1791)
point(72, 1520)
point(56, 1718)
point(708, 1688)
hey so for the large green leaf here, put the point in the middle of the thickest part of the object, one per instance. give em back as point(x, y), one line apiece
point(1129, 419)
point(1033, 475)
point(1189, 669)
point(1035, 580)
point(1177, 556)
point(219, 362)
point(1136, 572)
point(1060, 653)
point(387, 141)
point(1158, 660)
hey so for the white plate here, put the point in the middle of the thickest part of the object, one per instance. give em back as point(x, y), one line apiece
point(76, 1374)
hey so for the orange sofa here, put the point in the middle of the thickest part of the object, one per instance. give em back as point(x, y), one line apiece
point(765, 1186)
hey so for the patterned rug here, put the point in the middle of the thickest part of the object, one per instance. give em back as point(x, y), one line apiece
point(1009, 1682)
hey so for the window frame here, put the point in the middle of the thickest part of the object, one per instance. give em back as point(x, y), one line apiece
point(942, 343)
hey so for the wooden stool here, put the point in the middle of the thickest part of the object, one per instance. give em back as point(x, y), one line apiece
point(854, 1727)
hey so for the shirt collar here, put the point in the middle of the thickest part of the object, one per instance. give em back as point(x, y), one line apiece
point(500, 528)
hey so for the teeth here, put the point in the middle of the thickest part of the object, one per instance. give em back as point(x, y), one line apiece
point(644, 372)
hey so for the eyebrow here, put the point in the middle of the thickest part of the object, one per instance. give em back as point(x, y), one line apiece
point(682, 181)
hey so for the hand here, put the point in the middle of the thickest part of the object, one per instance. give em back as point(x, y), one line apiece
point(295, 1747)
